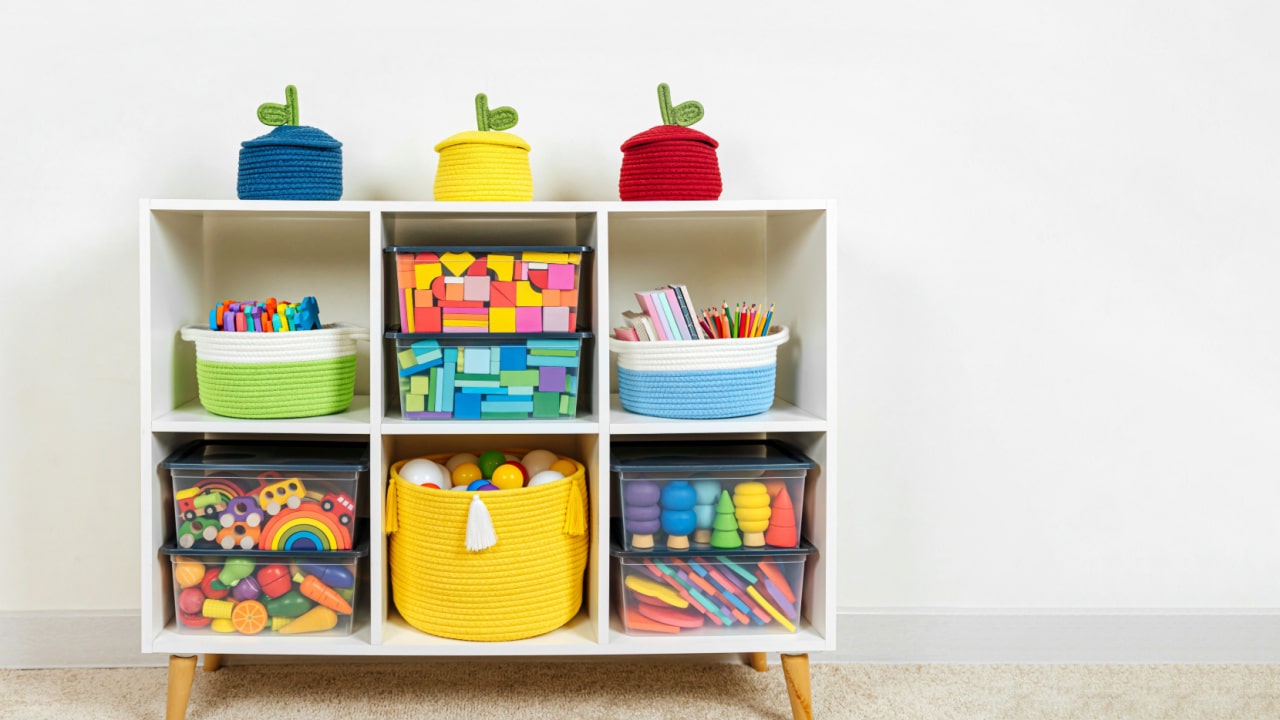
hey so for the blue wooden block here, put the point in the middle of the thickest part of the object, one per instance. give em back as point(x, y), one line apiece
point(466, 406)
point(512, 357)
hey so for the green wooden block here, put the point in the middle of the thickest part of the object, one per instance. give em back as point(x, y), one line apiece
point(521, 390)
point(555, 353)
point(420, 384)
point(546, 404)
point(406, 358)
point(504, 416)
point(435, 386)
point(566, 406)
point(522, 378)
point(415, 403)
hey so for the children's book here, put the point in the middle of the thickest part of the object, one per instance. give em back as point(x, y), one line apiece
point(647, 304)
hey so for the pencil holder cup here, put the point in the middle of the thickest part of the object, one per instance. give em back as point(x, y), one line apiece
point(698, 379)
point(524, 577)
point(276, 375)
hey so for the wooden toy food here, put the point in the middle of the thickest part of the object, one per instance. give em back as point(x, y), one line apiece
point(317, 619)
point(671, 161)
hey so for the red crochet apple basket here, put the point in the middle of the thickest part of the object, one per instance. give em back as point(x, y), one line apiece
point(671, 161)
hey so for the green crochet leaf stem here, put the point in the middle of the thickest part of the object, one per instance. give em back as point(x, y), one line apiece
point(499, 118)
point(684, 114)
point(277, 114)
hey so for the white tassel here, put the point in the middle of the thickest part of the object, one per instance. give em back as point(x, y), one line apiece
point(480, 533)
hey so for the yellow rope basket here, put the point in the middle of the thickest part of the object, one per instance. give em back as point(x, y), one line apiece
point(483, 166)
point(527, 583)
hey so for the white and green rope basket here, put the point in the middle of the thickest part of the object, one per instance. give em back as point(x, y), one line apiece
point(698, 379)
point(276, 375)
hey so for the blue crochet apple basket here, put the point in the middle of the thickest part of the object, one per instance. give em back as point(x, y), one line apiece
point(292, 162)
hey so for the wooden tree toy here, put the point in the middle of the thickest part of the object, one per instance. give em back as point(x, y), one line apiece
point(706, 493)
point(641, 512)
point(678, 518)
point(751, 503)
point(782, 523)
point(724, 529)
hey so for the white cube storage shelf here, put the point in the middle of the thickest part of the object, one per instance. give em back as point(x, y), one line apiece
point(194, 253)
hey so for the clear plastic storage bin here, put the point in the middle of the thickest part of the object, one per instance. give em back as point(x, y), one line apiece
point(507, 289)
point(219, 592)
point(513, 377)
point(710, 496)
point(746, 593)
point(262, 495)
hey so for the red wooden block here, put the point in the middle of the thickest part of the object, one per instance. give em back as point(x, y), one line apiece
point(502, 294)
point(479, 267)
point(426, 319)
point(426, 258)
point(538, 278)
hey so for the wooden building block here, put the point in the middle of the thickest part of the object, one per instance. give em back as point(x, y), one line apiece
point(528, 319)
point(476, 288)
point(425, 274)
point(560, 277)
point(502, 319)
point(502, 294)
point(426, 320)
point(527, 295)
point(555, 319)
point(502, 266)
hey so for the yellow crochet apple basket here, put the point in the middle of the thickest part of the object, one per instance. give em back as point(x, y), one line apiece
point(526, 582)
point(485, 164)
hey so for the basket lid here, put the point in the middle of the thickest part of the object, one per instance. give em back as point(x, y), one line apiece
point(295, 136)
point(701, 456)
point(268, 556)
point(475, 137)
point(262, 455)
point(662, 133)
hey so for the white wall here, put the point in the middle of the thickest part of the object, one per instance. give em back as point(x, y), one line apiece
point(1057, 231)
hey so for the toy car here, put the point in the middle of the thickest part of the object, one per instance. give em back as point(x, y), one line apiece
point(340, 506)
point(278, 495)
point(195, 530)
point(243, 509)
point(239, 535)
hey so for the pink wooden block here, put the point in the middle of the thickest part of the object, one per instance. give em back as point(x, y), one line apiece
point(475, 288)
point(555, 319)
point(560, 277)
point(528, 319)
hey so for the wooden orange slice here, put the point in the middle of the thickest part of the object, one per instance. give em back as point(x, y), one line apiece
point(249, 617)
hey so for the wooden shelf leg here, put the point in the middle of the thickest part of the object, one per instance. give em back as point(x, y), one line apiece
point(212, 662)
point(796, 670)
point(182, 671)
point(758, 661)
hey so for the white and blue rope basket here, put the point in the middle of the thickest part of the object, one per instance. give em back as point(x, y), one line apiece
point(698, 379)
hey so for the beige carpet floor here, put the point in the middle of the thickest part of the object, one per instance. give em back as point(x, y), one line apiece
point(478, 690)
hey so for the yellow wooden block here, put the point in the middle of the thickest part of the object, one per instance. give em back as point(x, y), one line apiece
point(546, 257)
point(408, 303)
point(502, 319)
point(575, 259)
point(526, 296)
point(425, 273)
point(457, 263)
point(502, 266)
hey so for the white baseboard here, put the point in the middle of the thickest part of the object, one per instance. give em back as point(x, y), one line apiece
point(1057, 636)
point(893, 635)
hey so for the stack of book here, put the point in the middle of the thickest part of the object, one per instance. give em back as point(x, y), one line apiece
point(667, 313)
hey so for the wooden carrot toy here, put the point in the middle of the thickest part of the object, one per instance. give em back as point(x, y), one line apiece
point(313, 589)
